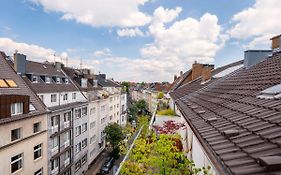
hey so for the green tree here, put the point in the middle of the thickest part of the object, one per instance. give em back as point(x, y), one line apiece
point(160, 95)
point(114, 136)
point(141, 106)
point(125, 86)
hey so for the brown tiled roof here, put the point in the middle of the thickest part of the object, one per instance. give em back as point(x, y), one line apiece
point(230, 104)
point(50, 70)
point(7, 72)
point(197, 83)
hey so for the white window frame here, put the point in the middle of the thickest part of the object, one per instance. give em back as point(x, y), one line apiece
point(39, 123)
point(39, 149)
point(20, 160)
point(53, 98)
point(20, 134)
point(74, 96)
point(16, 108)
point(39, 172)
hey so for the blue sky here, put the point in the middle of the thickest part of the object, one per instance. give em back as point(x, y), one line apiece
point(137, 40)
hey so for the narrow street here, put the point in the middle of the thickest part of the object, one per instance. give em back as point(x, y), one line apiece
point(95, 168)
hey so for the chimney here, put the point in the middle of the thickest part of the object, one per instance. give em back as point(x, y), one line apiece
point(252, 57)
point(275, 43)
point(20, 63)
point(58, 65)
point(175, 77)
point(196, 70)
point(103, 76)
point(207, 72)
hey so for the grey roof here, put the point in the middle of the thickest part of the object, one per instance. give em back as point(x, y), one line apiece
point(7, 72)
point(105, 82)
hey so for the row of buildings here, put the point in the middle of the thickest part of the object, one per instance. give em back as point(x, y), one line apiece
point(233, 113)
point(52, 117)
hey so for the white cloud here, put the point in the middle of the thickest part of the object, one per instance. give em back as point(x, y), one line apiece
point(123, 13)
point(165, 15)
point(130, 32)
point(41, 54)
point(184, 41)
point(102, 53)
point(257, 23)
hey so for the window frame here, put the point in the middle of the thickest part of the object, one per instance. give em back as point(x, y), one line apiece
point(20, 160)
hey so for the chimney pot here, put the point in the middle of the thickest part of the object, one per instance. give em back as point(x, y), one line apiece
point(175, 77)
point(181, 73)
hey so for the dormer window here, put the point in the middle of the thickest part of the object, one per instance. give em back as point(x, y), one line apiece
point(273, 92)
point(47, 79)
point(58, 80)
point(16, 108)
point(84, 82)
point(35, 79)
point(66, 81)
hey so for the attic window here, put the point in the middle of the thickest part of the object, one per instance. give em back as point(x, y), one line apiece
point(31, 107)
point(47, 79)
point(7, 83)
point(34, 79)
point(58, 80)
point(66, 81)
point(273, 92)
point(3, 84)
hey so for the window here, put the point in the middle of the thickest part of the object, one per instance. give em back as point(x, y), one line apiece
point(3, 84)
point(66, 81)
point(16, 162)
point(67, 155)
point(78, 148)
point(84, 127)
point(92, 125)
point(39, 172)
point(123, 108)
point(54, 164)
point(103, 120)
point(47, 79)
point(77, 113)
point(93, 139)
point(73, 96)
point(36, 127)
point(84, 82)
point(66, 136)
point(11, 83)
point(53, 98)
point(122, 118)
point(77, 131)
point(65, 97)
point(16, 108)
point(111, 108)
point(55, 121)
point(54, 142)
point(31, 107)
point(92, 111)
point(67, 116)
point(111, 99)
point(84, 159)
point(37, 151)
point(84, 111)
point(15, 134)
point(84, 143)
point(58, 80)
point(35, 79)
point(110, 117)
point(77, 165)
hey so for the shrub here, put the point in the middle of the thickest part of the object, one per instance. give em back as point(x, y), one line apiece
point(169, 112)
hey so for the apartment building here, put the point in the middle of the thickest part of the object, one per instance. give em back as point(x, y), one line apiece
point(98, 102)
point(67, 118)
point(123, 109)
point(114, 93)
point(23, 125)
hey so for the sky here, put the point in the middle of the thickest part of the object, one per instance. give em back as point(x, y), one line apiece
point(137, 40)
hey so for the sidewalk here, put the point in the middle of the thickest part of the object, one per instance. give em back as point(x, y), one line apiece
point(95, 168)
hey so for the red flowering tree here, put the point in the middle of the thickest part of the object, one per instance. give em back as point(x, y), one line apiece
point(169, 127)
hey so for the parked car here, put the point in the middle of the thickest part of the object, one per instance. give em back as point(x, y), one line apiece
point(107, 166)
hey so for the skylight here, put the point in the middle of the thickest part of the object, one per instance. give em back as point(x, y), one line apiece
point(3, 84)
point(273, 92)
point(227, 71)
point(7, 83)
point(11, 83)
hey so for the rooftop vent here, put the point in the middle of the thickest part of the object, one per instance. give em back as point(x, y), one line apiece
point(272, 163)
point(230, 132)
point(212, 119)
